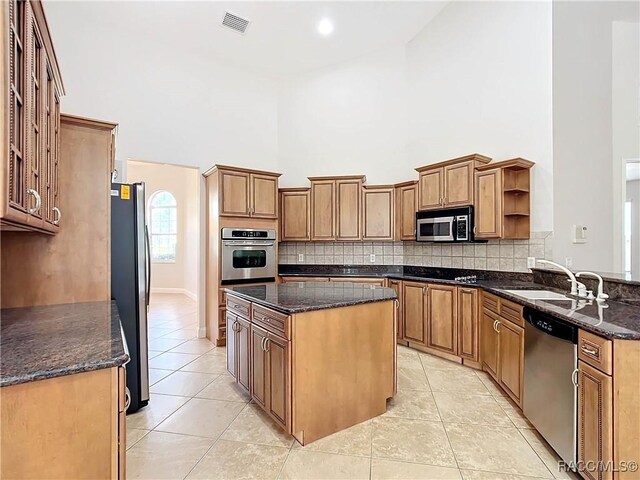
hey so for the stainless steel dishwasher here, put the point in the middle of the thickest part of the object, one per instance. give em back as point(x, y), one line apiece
point(550, 380)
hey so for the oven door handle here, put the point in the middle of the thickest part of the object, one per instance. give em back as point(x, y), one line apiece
point(226, 243)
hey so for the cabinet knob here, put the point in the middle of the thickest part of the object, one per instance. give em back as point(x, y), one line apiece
point(38, 204)
point(58, 216)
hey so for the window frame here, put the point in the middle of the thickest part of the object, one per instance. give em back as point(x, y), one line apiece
point(151, 208)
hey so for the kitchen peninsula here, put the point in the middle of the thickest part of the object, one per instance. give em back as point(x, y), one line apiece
point(318, 357)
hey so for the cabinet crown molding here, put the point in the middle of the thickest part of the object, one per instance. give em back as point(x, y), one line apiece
point(409, 183)
point(362, 178)
point(294, 189)
point(87, 122)
point(482, 159)
point(217, 167)
point(515, 163)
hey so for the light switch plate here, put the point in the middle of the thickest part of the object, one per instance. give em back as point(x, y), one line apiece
point(579, 233)
point(531, 262)
point(301, 257)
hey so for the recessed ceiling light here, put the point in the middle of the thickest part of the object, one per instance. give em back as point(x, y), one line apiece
point(325, 27)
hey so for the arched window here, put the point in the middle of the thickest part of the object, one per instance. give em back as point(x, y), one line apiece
point(163, 227)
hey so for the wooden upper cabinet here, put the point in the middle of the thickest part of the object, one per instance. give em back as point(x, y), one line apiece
point(295, 214)
point(406, 203)
point(323, 210)
point(430, 189)
point(348, 207)
point(336, 208)
point(414, 308)
point(378, 212)
point(30, 136)
point(488, 204)
point(442, 324)
point(448, 183)
point(468, 323)
point(234, 193)
point(458, 184)
point(245, 193)
point(264, 196)
point(595, 410)
point(502, 199)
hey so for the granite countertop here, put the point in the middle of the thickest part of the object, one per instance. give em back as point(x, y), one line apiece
point(613, 319)
point(296, 297)
point(55, 340)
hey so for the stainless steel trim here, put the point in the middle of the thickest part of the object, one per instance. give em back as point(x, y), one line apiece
point(142, 291)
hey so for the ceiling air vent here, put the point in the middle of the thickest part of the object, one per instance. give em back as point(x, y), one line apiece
point(235, 22)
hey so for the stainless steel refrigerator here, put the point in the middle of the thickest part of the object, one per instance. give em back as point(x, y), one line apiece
point(130, 280)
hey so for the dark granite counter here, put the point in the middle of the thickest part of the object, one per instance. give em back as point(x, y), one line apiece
point(296, 297)
point(613, 319)
point(55, 340)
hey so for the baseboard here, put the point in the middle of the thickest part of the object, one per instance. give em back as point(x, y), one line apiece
point(182, 291)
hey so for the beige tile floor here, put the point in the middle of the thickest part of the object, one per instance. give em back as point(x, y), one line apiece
point(446, 422)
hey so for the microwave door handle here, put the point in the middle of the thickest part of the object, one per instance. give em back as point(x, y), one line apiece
point(454, 229)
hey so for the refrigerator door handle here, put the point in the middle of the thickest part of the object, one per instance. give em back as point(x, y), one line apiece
point(148, 259)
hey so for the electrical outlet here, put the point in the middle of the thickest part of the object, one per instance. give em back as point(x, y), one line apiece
point(301, 257)
point(531, 262)
point(372, 258)
point(568, 262)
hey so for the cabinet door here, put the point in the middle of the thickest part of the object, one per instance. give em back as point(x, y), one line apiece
point(488, 204)
point(35, 118)
point(430, 189)
point(243, 352)
point(232, 366)
point(278, 366)
point(406, 207)
point(397, 287)
point(442, 321)
point(51, 128)
point(264, 196)
point(414, 299)
point(489, 342)
point(234, 193)
point(258, 366)
point(511, 359)
point(595, 441)
point(348, 209)
point(294, 216)
point(468, 323)
point(377, 222)
point(323, 210)
point(458, 184)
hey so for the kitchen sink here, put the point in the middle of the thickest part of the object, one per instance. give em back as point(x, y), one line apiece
point(538, 294)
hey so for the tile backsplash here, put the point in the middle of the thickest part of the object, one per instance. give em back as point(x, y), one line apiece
point(502, 255)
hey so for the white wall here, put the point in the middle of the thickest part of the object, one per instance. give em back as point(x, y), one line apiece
point(633, 196)
point(459, 87)
point(347, 119)
point(172, 106)
point(583, 132)
point(182, 183)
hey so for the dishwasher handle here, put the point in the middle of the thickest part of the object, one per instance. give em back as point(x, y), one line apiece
point(551, 325)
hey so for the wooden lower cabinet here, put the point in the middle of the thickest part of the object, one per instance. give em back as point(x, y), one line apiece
point(238, 350)
point(58, 430)
point(442, 318)
point(468, 323)
point(231, 345)
point(511, 359)
point(595, 442)
point(489, 343)
point(414, 306)
point(270, 374)
point(397, 287)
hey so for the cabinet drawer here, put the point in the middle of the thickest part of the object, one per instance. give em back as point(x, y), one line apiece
point(238, 306)
point(511, 311)
point(596, 351)
point(274, 322)
point(490, 302)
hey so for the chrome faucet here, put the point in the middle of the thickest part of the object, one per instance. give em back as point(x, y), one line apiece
point(572, 277)
point(601, 295)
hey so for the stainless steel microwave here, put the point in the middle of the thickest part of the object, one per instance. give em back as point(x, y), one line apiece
point(445, 225)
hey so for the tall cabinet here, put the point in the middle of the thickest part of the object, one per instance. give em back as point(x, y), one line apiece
point(30, 135)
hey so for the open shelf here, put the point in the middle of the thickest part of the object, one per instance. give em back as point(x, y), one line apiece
point(516, 190)
point(516, 214)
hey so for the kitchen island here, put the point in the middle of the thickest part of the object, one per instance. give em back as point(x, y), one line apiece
point(318, 357)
